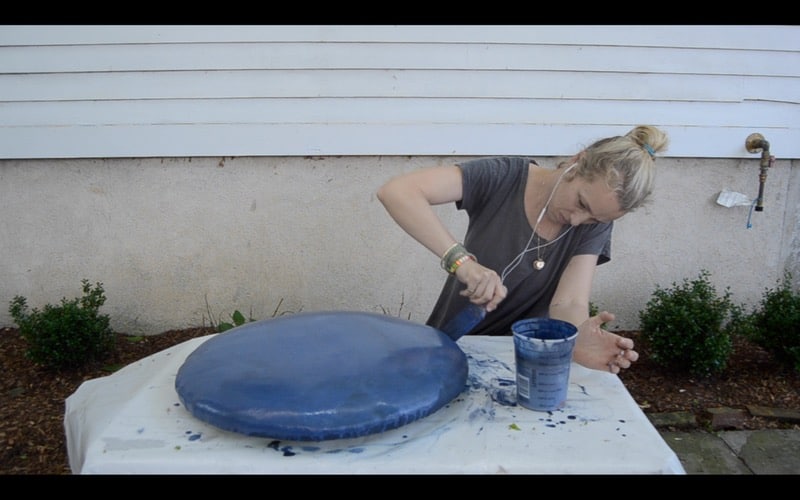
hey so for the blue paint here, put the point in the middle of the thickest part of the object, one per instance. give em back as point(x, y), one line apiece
point(489, 365)
point(194, 437)
point(505, 397)
point(501, 390)
point(320, 376)
point(356, 450)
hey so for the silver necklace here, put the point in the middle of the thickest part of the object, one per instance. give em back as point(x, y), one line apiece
point(539, 263)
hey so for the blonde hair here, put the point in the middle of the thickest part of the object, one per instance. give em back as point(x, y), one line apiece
point(627, 162)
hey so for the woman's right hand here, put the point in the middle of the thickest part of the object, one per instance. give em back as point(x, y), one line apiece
point(483, 285)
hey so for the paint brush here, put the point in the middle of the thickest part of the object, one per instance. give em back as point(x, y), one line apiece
point(464, 321)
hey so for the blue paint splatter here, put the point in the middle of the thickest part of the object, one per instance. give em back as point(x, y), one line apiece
point(505, 394)
point(505, 398)
point(504, 382)
point(310, 448)
point(496, 380)
point(356, 450)
point(194, 437)
point(286, 450)
point(140, 430)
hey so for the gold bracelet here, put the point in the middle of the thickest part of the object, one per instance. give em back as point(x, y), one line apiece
point(448, 257)
point(448, 250)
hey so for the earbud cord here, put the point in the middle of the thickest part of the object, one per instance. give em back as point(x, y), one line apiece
point(516, 260)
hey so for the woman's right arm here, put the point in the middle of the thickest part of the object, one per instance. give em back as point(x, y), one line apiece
point(409, 198)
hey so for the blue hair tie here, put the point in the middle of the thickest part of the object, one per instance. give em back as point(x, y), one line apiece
point(649, 150)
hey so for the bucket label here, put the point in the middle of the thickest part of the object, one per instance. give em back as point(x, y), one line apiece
point(523, 386)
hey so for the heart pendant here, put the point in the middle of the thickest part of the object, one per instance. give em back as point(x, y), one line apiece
point(538, 264)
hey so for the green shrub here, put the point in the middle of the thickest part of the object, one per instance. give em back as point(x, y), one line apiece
point(65, 336)
point(775, 324)
point(688, 326)
point(237, 319)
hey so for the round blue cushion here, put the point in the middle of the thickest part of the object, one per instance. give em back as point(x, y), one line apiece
point(323, 375)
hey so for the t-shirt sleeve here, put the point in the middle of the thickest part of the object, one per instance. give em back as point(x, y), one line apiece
point(597, 241)
point(485, 179)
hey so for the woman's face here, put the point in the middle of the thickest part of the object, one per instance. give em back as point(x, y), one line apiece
point(581, 202)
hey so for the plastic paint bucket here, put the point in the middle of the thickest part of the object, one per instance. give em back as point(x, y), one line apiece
point(543, 353)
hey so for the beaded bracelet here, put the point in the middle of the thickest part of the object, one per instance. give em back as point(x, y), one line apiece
point(454, 257)
point(459, 261)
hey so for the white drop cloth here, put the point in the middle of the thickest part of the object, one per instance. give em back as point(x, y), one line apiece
point(132, 422)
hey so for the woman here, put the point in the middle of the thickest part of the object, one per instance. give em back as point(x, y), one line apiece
point(535, 235)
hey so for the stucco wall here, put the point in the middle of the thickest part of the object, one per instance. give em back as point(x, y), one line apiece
point(172, 239)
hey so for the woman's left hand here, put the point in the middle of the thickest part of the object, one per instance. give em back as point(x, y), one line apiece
point(600, 349)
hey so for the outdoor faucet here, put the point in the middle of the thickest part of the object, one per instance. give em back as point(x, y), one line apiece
point(755, 143)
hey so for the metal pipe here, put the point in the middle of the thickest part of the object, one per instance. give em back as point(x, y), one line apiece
point(755, 143)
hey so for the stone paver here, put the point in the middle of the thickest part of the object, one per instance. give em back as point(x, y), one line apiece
point(702, 452)
point(773, 451)
point(732, 452)
point(776, 413)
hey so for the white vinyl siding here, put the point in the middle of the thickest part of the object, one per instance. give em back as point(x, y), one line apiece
point(183, 91)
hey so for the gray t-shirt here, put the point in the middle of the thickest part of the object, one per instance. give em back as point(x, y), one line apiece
point(498, 230)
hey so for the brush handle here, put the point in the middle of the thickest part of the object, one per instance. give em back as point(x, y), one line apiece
point(464, 321)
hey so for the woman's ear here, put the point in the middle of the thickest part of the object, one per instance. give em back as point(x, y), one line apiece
point(572, 161)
